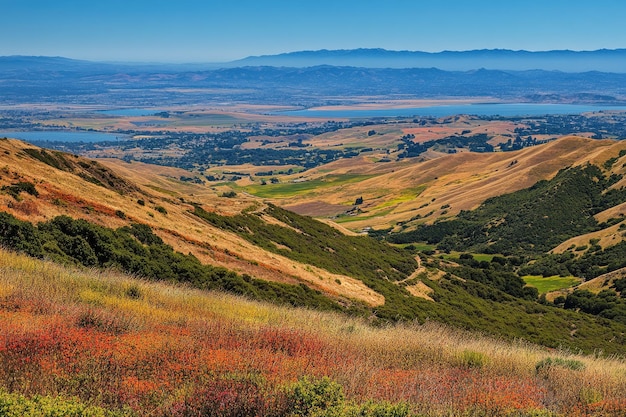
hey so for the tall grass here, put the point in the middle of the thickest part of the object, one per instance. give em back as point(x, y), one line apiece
point(120, 343)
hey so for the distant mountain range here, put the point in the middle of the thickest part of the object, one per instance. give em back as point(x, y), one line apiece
point(604, 60)
point(308, 78)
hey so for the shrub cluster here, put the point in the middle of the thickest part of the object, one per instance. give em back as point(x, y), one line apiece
point(137, 250)
point(16, 405)
point(22, 186)
point(530, 221)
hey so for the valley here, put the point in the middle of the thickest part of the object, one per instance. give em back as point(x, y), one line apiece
point(216, 252)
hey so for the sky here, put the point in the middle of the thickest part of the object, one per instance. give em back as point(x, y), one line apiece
point(199, 31)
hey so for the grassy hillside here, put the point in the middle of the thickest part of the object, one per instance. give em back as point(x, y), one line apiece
point(532, 220)
point(527, 224)
point(108, 344)
point(483, 296)
point(156, 197)
point(242, 245)
point(421, 190)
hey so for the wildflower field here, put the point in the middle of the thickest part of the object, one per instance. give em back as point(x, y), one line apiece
point(77, 342)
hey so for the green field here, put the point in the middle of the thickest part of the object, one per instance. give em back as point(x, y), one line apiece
point(348, 219)
point(420, 247)
point(292, 189)
point(477, 256)
point(553, 283)
point(407, 195)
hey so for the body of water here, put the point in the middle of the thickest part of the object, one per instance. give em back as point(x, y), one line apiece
point(488, 109)
point(59, 136)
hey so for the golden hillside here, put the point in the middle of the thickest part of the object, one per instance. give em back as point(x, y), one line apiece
point(114, 193)
point(425, 190)
point(157, 197)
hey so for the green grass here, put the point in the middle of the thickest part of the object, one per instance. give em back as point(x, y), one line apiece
point(453, 255)
point(421, 247)
point(553, 283)
point(408, 195)
point(292, 189)
point(365, 216)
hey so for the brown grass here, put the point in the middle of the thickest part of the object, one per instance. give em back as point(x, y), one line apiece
point(461, 181)
point(68, 326)
point(64, 193)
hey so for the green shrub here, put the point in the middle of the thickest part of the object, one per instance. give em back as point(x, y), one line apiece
point(570, 364)
point(472, 359)
point(325, 398)
point(309, 397)
point(23, 186)
point(133, 292)
point(15, 405)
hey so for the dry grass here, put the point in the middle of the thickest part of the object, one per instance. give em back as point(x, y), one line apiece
point(193, 336)
point(461, 181)
point(64, 193)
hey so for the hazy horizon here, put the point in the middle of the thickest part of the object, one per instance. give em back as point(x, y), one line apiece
point(194, 31)
point(131, 62)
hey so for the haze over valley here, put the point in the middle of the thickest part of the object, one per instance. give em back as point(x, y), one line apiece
point(206, 216)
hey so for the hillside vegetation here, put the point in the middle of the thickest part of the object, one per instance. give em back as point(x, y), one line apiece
point(485, 297)
point(532, 220)
point(83, 342)
point(410, 192)
point(77, 337)
point(264, 252)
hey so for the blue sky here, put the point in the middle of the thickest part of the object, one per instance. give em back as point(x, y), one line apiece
point(218, 31)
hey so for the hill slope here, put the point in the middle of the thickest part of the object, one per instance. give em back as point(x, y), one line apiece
point(161, 201)
point(163, 228)
point(419, 190)
point(105, 344)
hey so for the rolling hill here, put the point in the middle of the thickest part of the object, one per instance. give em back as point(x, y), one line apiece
point(161, 201)
point(144, 220)
point(419, 191)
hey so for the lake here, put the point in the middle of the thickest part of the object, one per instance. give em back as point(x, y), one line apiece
point(60, 136)
point(487, 109)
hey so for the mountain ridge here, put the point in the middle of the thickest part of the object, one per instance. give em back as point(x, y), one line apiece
point(605, 60)
point(310, 83)
point(602, 60)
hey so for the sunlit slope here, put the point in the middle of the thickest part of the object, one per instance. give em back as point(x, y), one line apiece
point(151, 349)
point(424, 190)
point(155, 196)
point(305, 259)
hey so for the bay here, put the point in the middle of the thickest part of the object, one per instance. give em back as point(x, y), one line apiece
point(486, 109)
point(61, 136)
